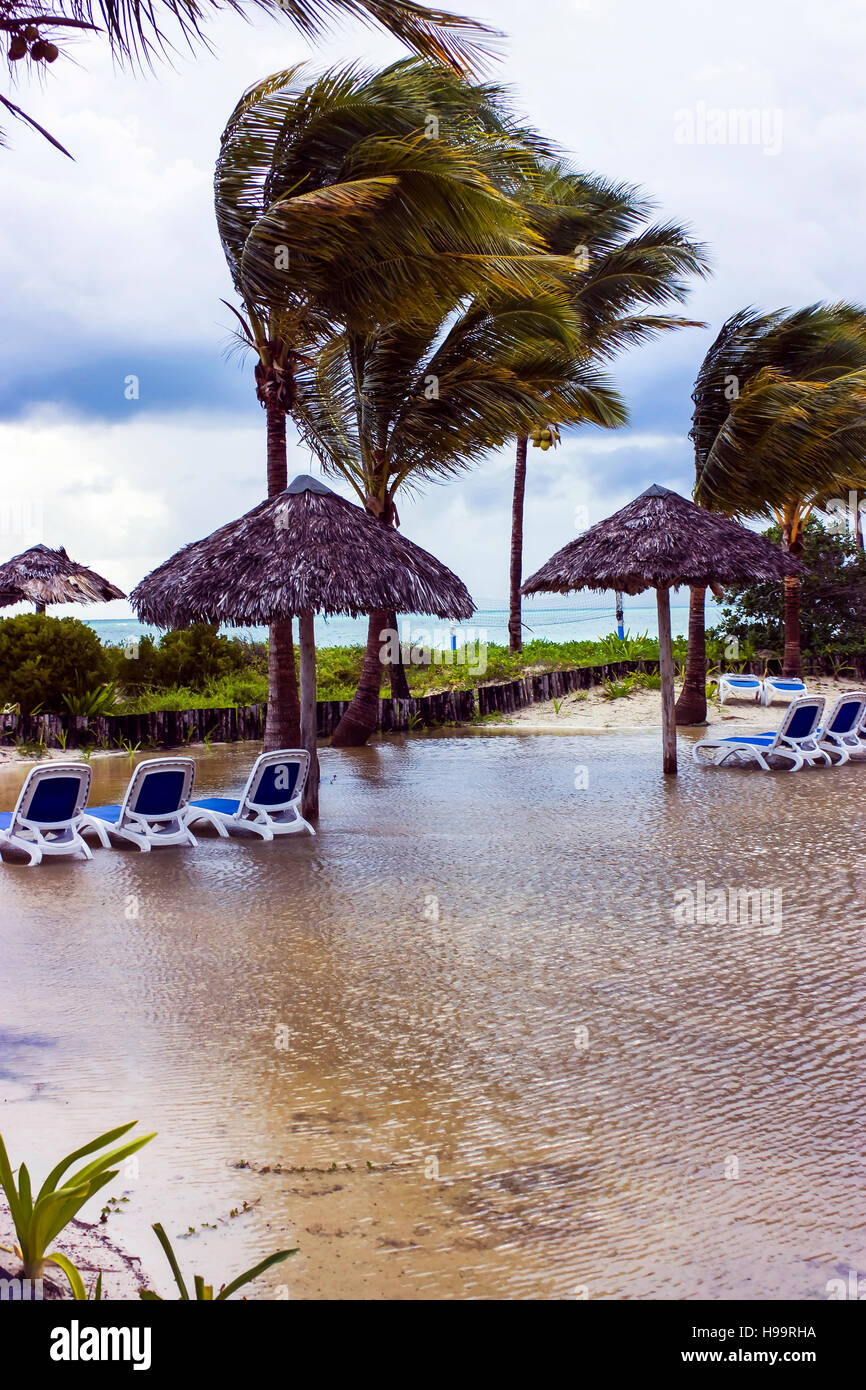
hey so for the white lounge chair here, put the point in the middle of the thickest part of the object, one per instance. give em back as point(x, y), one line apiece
point(840, 735)
point(153, 810)
point(48, 814)
point(795, 741)
point(270, 803)
point(731, 683)
point(791, 686)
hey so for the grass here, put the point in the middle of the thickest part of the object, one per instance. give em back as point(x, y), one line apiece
point(639, 680)
point(339, 670)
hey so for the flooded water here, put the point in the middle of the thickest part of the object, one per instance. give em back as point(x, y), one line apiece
point(497, 1007)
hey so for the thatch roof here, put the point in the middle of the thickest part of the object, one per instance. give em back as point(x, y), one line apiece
point(42, 575)
point(304, 549)
point(661, 540)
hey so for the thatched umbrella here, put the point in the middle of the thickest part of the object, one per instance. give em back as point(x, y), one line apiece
point(303, 552)
point(660, 541)
point(41, 575)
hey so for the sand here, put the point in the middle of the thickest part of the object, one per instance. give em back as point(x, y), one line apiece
point(590, 712)
point(88, 1245)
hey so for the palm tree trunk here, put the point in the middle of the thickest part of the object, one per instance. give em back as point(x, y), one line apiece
point(691, 707)
point(515, 625)
point(792, 664)
point(361, 719)
point(283, 724)
point(792, 542)
point(399, 683)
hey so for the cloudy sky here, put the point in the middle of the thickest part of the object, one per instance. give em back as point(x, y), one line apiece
point(111, 267)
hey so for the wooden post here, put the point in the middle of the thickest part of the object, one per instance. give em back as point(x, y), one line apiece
point(666, 671)
point(310, 798)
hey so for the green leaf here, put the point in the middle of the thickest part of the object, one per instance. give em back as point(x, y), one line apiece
point(51, 1181)
point(255, 1272)
point(24, 1192)
point(76, 1282)
point(7, 1180)
point(115, 1157)
point(170, 1256)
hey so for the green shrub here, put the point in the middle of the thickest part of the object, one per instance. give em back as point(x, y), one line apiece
point(192, 658)
point(832, 600)
point(42, 659)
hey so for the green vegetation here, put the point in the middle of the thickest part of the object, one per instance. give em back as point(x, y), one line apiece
point(39, 1221)
point(59, 665)
point(639, 680)
point(832, 599)
point(43, 659)
point(204, 1292)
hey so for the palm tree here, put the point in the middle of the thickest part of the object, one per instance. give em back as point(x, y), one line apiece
point(755, 428)
point(407, 404)
point(136, 32)
point(357, 199)
point(791, 446)
point(620, 267)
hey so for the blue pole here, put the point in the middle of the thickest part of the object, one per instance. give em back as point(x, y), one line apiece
point(620, 617)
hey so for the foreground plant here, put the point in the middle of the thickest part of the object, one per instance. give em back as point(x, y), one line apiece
point(38, 1221)
point(204, 1292)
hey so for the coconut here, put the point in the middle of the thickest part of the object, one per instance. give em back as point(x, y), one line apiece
point(17, 48)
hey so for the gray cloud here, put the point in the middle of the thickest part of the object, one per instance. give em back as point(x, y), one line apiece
point(111, 265)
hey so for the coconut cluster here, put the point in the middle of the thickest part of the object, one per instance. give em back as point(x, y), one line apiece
point(544, 437)
point(28, 41)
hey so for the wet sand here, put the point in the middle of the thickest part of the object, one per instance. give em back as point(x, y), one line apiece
point(92, 1252)
point(469, 1012)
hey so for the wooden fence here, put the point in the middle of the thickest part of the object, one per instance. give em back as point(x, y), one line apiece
point(174, 728)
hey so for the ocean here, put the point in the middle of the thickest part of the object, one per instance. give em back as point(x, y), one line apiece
point(573, 618)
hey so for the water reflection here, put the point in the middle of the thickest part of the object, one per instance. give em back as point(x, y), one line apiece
point(472, 995)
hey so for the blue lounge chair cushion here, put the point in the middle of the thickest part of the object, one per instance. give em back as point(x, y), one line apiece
point(218, 803)
point(109, 813)
point(845, 719)
point(54, 800)
point(272, 789)
point(742, 680)
point(761, 739)
point(5, 820)
point(160, 793)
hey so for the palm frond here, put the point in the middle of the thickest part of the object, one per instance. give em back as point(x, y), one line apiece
point(140, 31)
point(785, 439)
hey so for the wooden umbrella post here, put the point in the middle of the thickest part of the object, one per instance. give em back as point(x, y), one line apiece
point(306, 626)
point(666, 672)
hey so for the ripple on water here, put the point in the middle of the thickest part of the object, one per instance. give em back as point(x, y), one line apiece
point(486, 992)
